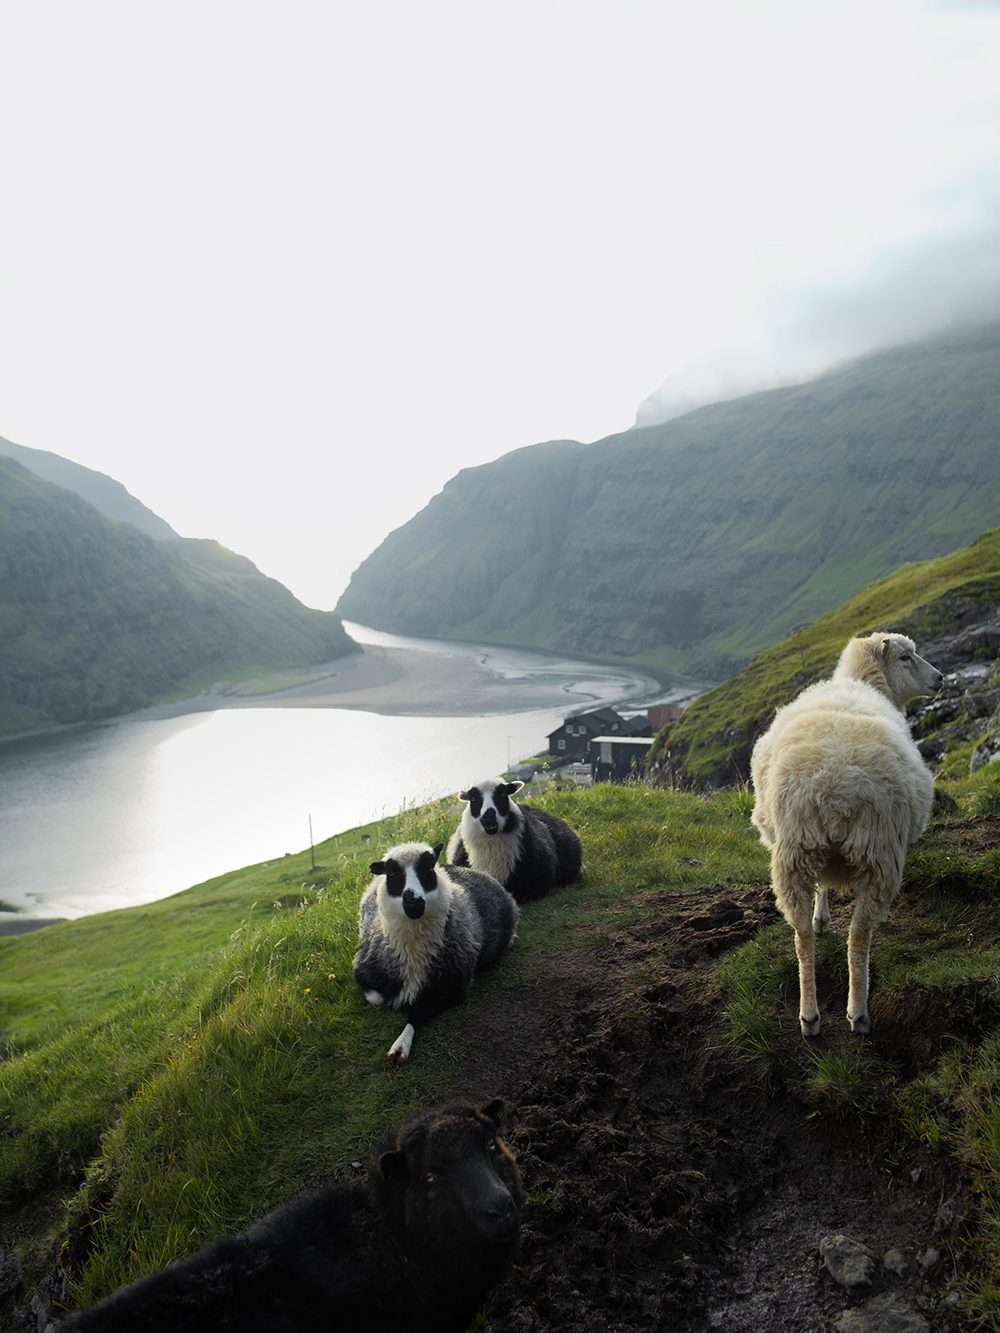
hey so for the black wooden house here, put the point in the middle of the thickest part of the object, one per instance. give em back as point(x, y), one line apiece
point(571, 740)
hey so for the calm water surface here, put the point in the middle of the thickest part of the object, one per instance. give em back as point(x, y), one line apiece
point(129, 811)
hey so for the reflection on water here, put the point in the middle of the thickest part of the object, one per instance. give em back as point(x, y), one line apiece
point(121, 813)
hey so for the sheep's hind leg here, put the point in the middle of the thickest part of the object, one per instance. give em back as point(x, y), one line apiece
point(859, 940)
point(793, 891)
point(821, 911)
point(805, 948)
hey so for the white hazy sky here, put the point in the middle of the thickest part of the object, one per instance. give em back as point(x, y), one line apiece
point(283, 269)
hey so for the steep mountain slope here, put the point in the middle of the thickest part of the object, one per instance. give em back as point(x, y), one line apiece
point(106, 495)
point(698, 542)
point(97, 619)
point(949, 606)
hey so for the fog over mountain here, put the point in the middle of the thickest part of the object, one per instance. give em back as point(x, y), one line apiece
point(697, 542)
point(941, 283)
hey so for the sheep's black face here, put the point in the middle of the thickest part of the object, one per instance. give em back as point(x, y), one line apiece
point(463, 1187)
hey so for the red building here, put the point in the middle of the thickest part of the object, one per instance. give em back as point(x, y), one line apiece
point(660, 714)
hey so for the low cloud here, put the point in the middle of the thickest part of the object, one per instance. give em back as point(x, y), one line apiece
point(927, 287)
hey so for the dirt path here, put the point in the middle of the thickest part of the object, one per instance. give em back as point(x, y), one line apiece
point(671, 1190)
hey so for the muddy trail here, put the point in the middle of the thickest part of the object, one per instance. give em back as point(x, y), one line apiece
point(670, 1189)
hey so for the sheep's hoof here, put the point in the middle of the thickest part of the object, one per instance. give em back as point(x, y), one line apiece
point(397, 1056)
point(863, 1024)
point(821, 925)
point(810, 1026)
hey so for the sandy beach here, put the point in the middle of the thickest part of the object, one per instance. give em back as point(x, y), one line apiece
point(397, 681)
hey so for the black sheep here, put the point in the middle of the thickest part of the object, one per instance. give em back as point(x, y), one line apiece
point(528, 850)
point(418, 1249)
point(425, 931)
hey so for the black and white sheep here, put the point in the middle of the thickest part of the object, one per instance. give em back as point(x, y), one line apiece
point(425, 931)
point(528, 850)
point(841, 793)
point(418, 1248)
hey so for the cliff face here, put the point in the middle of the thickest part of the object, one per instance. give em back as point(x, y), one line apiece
point(97, 619)
point(481, 556)
point(698, 542)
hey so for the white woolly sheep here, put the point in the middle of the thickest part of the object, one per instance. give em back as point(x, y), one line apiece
point(842, 792)
point(529, 851)
point(425, 932)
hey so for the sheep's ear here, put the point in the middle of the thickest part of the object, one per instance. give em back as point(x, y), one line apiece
point(437, 850)
point(884, 647)
point(511, 787)
point(493, 1111)
point(377, 867)
point(464, 796)
point(393, 1166)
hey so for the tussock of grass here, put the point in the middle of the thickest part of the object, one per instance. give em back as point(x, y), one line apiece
point(848, 1083)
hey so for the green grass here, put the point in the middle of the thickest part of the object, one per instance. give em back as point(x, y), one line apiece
point(710, 742)
point(175, 1070)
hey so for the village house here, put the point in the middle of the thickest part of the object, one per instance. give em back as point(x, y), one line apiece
point(618, 758)
point(570, 741)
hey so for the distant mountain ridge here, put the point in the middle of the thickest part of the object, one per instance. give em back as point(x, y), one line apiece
point(106, 495)
point(696, 543)
point(98, 619)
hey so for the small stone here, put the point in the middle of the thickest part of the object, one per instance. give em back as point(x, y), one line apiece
point(916, 1173)
point(928, 1259)
point(947, 1213)
point(895, 1261)
point(849, 1262)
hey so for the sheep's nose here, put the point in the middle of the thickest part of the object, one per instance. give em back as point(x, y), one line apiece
point(413, 905)
point(489, 821)
point(502, 1214)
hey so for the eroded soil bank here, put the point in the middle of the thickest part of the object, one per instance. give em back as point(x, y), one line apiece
point(670, 1188)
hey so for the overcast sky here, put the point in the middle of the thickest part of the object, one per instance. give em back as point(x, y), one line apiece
point(283, 269)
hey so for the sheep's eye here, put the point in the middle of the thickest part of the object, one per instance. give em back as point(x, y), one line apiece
point(492, 1145)
point(905, 657)
point(429, 1178)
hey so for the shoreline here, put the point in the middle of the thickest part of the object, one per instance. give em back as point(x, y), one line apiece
point(391, 681)
point(465, 689)
point(402, 681)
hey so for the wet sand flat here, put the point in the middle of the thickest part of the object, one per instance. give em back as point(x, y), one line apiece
point(396, 681)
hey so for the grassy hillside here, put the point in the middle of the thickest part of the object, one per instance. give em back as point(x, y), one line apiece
point(697, 543)
point(174, 1070)
point(712, 742)
point(107, 496)
point(98, 619)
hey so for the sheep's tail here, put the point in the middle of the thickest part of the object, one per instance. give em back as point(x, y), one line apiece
point(838, 825)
